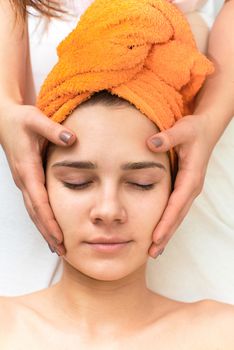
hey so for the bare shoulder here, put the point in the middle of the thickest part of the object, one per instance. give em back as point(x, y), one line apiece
point(12, 312)
point(6, 310)
point(18, 317)
point(7, 318)
point(217, 310)
point(216, 320)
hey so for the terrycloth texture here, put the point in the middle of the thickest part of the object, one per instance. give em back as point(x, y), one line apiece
point(143, 51)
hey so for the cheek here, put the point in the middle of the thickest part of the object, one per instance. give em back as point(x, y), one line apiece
point(143, 212)
point(149, 210)
point(67, 208)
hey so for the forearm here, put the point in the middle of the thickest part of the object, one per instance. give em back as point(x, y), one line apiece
point(216, 99)
point(13, 55)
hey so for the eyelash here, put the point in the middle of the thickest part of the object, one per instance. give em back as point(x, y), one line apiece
point(85, 185)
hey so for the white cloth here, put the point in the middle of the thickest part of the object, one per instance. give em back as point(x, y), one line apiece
point(189, 5)
point(197, 263)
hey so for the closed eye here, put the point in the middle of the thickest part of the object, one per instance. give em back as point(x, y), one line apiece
point(143, 187)
point(77, 186)
point(86, 184)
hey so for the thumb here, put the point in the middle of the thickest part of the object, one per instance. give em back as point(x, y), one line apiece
point(180, 133)
point(50, 130)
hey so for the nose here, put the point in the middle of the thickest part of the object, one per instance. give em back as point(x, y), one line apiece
point(108, 209)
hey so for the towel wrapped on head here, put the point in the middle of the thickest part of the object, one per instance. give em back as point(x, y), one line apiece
point(142, 51)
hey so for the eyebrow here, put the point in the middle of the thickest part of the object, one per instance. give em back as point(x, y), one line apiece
point(125, 166)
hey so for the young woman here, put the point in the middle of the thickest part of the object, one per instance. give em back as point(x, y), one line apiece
point(109, 190)
point(108, 193)
point(20, 240)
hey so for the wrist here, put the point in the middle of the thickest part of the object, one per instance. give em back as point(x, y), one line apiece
point(214, 122)
point(9, 101)
point(7, 104)
point(12, 94)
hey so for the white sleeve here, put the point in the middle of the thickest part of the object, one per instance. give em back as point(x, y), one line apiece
point(189, 5)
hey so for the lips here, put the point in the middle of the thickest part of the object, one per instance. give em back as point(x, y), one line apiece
point(108, 240)
point(103, 245)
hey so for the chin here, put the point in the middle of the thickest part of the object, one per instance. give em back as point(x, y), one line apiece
point(106, 277)
point(104, 270)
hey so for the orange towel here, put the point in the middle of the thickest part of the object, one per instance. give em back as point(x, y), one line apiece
point(143, 51)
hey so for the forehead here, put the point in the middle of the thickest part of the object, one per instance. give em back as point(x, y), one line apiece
point(100, 120)
point(109, 134)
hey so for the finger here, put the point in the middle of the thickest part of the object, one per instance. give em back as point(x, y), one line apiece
point(52, 131)
point(182, 132)
point(33, 184)
point(184, 193)
point(156, 248)
point(32, 180)
point(43, 212)
point(31, 213)
point(54, 246)
point(156, 252)
point(178, 205)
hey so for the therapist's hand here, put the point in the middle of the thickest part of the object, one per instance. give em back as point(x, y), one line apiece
point(193, 144)
point(24, 131)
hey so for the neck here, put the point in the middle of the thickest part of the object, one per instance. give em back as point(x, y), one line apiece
point(110, 305)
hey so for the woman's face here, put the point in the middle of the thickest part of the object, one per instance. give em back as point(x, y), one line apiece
point(106, 189)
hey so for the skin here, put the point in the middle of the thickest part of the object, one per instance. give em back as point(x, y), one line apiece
point(96, 139)
point(195, 136)
point(102, 300)
point(19, 119)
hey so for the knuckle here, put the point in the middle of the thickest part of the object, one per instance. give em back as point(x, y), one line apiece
point(191, 130)
point(18, 173)
point(171, 139)
point(17, 168)
point(17, 181)
point(28, 116)
point(32, 216)
point(30, 211)
point(52, 130)
point(198, 182)
point(36, 206)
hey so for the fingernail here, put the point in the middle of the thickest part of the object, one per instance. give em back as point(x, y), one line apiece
point(157, 142)
point(57, 252)
point(158, 253)
point(56, 241)
point(161, 251)
point(51, 249)
point(60, 250)
point(65, 136)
